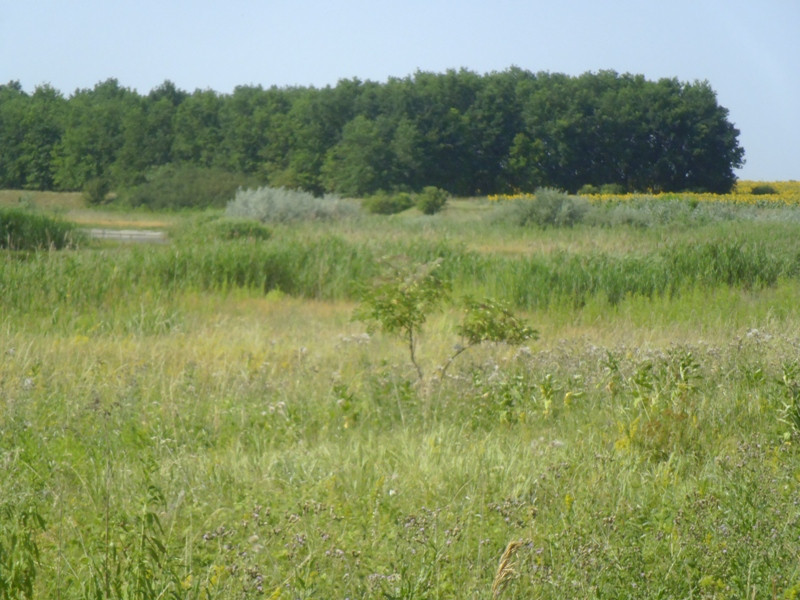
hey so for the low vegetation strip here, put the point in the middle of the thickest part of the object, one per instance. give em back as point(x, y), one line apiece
point(332, 268)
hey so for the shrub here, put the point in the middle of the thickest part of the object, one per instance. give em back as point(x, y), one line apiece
point(431, 200)
point(238, 229)
point(763, 190)
point(186, 186)
point(384, 203)
point(548, 208)
point(612, 188)
point(281, 205)
point(588, 189)
point(96, 190)
point(25, 230)
point(211, 227)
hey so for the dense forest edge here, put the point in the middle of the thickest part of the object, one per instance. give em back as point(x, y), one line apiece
point(460, 131)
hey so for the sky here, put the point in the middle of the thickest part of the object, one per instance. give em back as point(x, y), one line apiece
point(748, 51)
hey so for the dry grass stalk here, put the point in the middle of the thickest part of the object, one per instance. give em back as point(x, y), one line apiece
point(505, 569)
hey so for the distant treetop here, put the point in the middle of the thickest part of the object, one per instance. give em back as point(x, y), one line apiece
point(460, 131)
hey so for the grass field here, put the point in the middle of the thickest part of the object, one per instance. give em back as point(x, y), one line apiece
point(205, 419)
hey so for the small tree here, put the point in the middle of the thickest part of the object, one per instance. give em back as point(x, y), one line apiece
point(401, 301)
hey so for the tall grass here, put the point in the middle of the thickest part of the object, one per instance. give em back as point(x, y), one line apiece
point(25, 229)
point(333, 268)
point(205, 420)
point(269, 451)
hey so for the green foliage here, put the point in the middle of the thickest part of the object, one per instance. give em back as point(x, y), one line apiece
point(213, 228)
point(612, 188)
point(281, 205)
point(645, 211)
point(402, 299)
point(137, 563)
point(548, 208)
point(493, 321)
point(22, 229)
point(174, 187)
point(606, 188)
point(234, 229)
point(334, 266)
point(19, 550)
point(387, 203)
point(96, 190)
point(431, 200)
point(763, 190)
point(490, 321)
point(789, 412)
point(468, 133)
point(93, 134)
point(359, 163)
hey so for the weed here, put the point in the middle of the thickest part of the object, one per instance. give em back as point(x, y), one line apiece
point(19, 550)
point(25, 229)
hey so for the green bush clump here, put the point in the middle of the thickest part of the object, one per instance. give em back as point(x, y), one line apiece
point(25, 230)
point(607, 188)
point(238, 229)
point(186, 186)
point(431, 200)
point(588, 189)
point(548, 208)
point(96, 190)
point(612, 188)
point(384, 203)
point(763, 190)
point(208, 228)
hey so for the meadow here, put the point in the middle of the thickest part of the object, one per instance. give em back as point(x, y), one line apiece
point(208, 419)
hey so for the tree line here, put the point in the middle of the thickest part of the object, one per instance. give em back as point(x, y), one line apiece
point(460, 131)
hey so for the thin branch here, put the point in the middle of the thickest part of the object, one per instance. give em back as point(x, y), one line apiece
point(450, 360)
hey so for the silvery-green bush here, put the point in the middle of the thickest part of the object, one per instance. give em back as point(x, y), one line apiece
point(280, 205)
point(547, 208)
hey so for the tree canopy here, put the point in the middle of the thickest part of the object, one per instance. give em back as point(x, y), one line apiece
point(460, 131)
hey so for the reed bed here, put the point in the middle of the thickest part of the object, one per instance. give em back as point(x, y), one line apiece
point(330, 267)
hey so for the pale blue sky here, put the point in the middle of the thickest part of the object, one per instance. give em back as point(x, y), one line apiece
point(749, 51)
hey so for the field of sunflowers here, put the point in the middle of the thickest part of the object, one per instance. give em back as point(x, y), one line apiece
point(745, 192)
